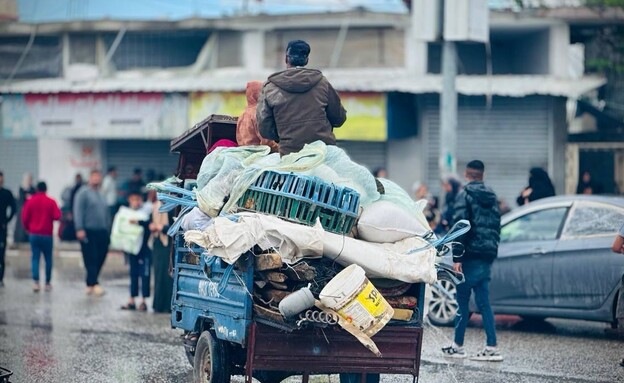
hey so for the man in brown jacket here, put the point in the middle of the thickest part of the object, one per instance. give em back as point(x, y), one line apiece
point(298, 105)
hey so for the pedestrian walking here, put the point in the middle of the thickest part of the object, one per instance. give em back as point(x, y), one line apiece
point(431, 212)
point(26, 191)
point(7, 211)
point(451, 186)
point(161, 255)
point(38, 217)
point(92, 221)
point(540, 186)
point(140, 263)
point(618, 247)
point(109, 190)
point(478, 204)
point(298, 105)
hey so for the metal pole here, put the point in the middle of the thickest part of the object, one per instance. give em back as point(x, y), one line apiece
point(447, 160)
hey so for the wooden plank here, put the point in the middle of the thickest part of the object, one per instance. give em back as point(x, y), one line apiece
point(269, 261)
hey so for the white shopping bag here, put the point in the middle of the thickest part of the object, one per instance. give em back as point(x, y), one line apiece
point(127, 236)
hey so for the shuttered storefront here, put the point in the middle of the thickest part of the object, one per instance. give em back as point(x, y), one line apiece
point(510, 137)
point(369, 154)
point(16, 158)
point(145, 154)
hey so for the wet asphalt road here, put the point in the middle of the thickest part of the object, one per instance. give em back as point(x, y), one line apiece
point(66, 336)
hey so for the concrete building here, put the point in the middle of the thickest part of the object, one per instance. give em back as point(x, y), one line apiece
point(98, 93)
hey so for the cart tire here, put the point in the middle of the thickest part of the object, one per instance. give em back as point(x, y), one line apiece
point(353, 377)
point(190, 356)
point(211, 363)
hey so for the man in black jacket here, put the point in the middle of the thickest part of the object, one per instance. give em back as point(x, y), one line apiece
point(476, 203)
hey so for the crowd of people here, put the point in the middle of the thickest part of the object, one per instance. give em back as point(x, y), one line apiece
point(86, 216)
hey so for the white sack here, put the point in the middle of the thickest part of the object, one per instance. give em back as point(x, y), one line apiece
point(195, 220)
point(384, 222)
point(385, 260)
point(228, 239)
point(126, 236)
point(395, 194)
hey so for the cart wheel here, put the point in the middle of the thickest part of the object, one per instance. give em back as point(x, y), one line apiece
point(211, 364)
point(353, 377)
point(190, 356)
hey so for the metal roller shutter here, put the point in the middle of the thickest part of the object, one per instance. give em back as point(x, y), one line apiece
point(144, 154)
point(510, 137)
point(16, 158)
point(369, 154)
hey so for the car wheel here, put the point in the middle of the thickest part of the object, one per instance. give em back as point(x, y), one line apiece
point(212, 363)
point(443, 304)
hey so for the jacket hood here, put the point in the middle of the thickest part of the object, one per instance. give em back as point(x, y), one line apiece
point(253, 92)
point(296, 80)
point(484, 196)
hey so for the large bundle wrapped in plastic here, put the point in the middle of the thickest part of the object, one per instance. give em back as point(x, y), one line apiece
point(230, 172)
point(219, 171)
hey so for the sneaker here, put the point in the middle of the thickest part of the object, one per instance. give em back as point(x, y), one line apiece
point(453, 352)
point(36, 288)
point(89, 290)
point(98, 291)
point(488, 355)
point(48, 287)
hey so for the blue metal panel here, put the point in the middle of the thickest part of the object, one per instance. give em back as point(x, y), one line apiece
point(212, 293)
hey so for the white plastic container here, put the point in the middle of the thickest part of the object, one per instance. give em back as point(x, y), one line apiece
point(355, 299)
point(296, 302)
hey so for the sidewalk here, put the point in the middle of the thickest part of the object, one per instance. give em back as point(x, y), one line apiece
point(67, 262)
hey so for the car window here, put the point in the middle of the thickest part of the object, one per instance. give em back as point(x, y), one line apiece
point(587, 220)
point(537, 226)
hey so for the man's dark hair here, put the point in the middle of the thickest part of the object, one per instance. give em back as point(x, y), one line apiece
point(1, 174)
point(475, 169)
point(137, 171)
point(42, 187)
point(297, 52)
point(135, 191)
point(111, 169)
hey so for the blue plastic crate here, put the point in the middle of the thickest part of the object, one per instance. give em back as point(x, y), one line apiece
point(303, 199)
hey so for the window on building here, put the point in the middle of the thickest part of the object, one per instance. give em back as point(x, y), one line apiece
point(512, 52)
point(156, 49)
point(362, 47)
point(43, 59)
point(82, 49)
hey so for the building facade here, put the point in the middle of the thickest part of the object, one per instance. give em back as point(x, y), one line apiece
point(100, 93)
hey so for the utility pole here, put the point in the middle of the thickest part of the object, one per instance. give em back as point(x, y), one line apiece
point(447, 160)
point(447, 146)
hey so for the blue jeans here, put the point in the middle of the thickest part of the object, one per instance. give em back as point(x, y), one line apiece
point(477, 279)
point(41, 244)
point(140, 269)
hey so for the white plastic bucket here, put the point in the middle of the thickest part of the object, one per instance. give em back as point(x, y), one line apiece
point(355, 299)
